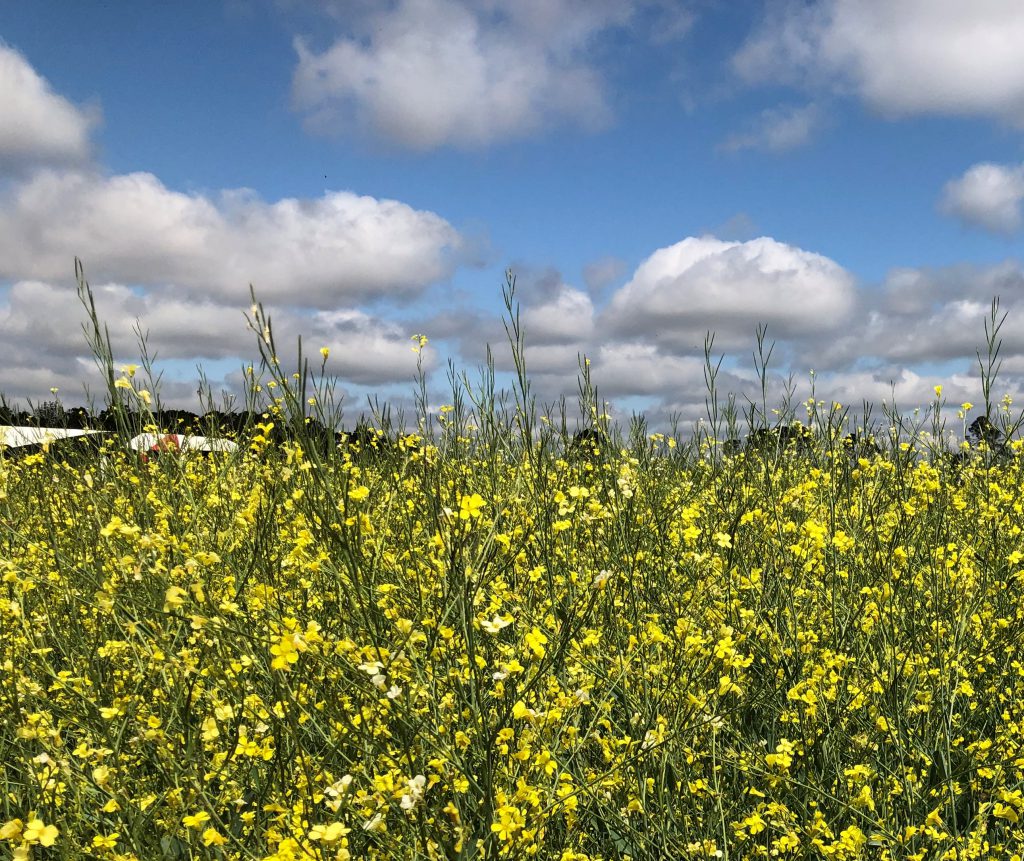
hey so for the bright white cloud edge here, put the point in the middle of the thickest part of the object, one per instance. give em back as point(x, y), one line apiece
point(915, 57)
point(39, 126)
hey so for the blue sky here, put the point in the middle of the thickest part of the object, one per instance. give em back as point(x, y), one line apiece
point(848, 172)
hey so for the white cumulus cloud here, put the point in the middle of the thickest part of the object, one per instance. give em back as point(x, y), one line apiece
point(430, 73)
point(364, 349)
point(944, 57)
point(989, 196)
point(38, 126)
point(922, 315)
point(700, 284)
point(133, 229)
point(637, 368)
point(563, 318)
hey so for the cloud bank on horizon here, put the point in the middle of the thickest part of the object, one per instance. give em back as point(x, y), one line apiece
point(527, 100)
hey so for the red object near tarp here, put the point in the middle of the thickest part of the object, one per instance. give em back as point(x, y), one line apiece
point(168, 442)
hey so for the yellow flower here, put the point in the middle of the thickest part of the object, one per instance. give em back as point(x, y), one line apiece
point(938, 391)
point(108, 841)
point(328, 833)
point(727, 686)
point(864, 799)
point(325, 352)
point(852, 838)
point(535, 642)
point(144, 396)
point(469, 506)
point(122, 383)
point(210, 729)
point(212, 837)
point(195, 820)
point(510, 821)
point(11, 830)
point(286, 651)
point(36, 831)
point(782, 759)
point(174, 598)
point(787, 843)
point(1003, 811)
point(358, 494)
point(520, 711)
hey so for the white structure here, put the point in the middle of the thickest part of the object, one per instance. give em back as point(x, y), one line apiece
point(153, 442)
point(14, 436)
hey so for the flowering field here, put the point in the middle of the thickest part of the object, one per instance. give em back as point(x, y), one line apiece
point(461, 651)
point(490, 640)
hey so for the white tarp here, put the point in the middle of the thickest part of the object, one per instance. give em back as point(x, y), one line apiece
point(13, 436)
point(146, 442)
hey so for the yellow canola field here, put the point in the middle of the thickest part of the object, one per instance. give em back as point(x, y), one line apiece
point(454, 653)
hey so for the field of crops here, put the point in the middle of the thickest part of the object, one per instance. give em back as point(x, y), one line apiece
point(470, 650)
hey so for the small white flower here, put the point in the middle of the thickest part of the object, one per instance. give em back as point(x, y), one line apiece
point(495, 624)
point(416, 786)
point(333, 793)
point(374, 824)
